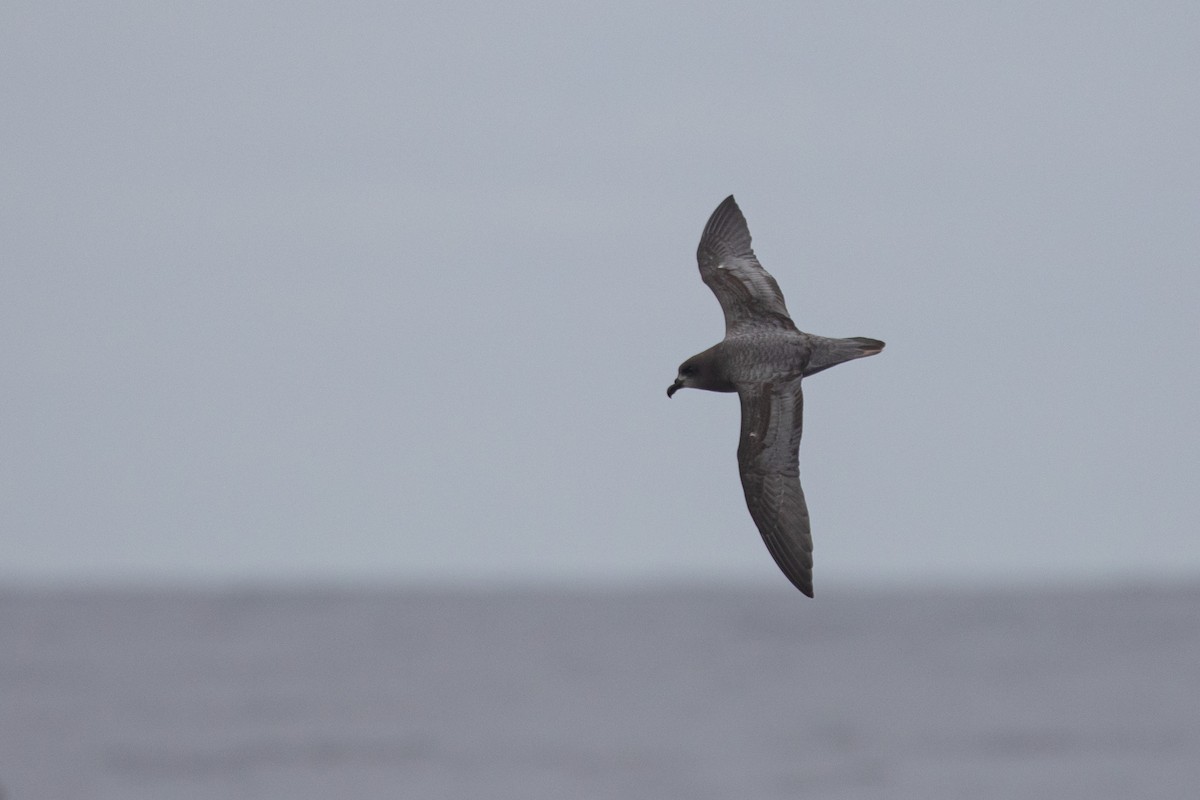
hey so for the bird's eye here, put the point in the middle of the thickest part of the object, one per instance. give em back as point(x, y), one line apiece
point(688, 371)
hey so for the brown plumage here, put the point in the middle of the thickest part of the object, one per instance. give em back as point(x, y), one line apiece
point(763, 358)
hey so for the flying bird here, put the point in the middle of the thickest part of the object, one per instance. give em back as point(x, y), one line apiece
point(764, 358)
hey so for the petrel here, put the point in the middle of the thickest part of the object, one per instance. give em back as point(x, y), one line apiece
point(764, 358)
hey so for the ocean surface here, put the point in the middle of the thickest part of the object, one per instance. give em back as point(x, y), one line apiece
point(677, 693)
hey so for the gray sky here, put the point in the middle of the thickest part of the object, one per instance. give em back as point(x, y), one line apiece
point(377, 290)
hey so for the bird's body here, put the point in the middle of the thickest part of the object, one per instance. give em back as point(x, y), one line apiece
point(763, 358)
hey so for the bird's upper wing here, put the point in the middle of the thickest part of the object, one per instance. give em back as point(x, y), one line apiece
point(748, 294)
point(769, 462)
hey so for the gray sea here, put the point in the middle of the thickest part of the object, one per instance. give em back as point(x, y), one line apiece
point(675, 693)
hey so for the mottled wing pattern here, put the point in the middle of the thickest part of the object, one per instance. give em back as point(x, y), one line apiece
point(748, 294)
point(769, 462)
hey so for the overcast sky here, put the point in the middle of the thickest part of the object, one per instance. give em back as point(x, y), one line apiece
point(394, 290)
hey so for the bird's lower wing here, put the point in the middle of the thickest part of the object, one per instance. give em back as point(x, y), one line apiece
point(768, 460)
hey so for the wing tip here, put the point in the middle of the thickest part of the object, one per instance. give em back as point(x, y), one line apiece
point(727, 231)
point(802, 581)
point(794, 558)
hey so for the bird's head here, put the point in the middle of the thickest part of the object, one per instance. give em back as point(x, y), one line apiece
point(703, 371)
point(690, 373)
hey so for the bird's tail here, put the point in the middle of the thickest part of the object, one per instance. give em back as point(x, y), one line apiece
point(831, 352)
